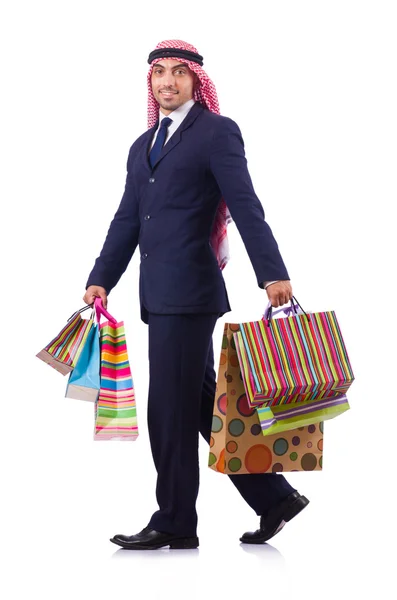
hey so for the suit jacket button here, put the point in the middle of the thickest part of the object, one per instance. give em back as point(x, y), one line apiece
point(144, 255)
point(151, 180)
point(146, 217)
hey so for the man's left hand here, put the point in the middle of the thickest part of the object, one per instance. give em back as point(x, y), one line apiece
point(279, 293)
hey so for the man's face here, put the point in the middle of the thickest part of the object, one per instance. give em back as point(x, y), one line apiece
point(173, 84)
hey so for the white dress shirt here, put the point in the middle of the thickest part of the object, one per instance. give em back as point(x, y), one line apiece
point(177, 117)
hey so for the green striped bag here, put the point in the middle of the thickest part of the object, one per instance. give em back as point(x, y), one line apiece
point(63, 351)
point(299, 358)
point(291, 416)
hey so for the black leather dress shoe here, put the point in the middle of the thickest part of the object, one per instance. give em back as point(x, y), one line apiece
point(275, 518)
point(150, 539)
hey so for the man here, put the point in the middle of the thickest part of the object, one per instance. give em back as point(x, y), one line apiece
point(184, 175)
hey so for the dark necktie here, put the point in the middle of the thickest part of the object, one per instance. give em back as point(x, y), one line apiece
point(160, 139)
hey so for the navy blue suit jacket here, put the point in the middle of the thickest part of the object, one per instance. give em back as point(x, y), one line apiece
point(169, 211)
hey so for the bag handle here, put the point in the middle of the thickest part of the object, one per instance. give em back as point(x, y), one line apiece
point(81, 310)
point(100, 309)
point(288, 310)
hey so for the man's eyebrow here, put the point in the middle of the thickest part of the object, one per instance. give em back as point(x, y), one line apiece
point(176, 66)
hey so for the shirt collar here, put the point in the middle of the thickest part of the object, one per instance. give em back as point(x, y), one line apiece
point(179, 113)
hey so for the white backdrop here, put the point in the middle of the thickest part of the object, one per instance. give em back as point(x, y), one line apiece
point(312, 85)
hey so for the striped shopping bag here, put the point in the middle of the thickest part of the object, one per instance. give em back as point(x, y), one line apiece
point(115, 408)
point(64, 350)
point(298, 358)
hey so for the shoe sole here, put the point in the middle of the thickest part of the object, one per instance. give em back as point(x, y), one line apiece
point(179, 544)
point(296, 507)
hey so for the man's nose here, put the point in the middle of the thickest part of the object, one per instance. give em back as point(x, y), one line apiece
point(169, 80)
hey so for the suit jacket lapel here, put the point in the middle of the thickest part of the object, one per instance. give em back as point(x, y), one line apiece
point(148, 142)
point(176, 136)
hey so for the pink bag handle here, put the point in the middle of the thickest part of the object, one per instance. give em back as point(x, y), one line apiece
point(100, 309)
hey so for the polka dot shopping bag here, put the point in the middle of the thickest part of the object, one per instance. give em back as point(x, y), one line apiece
point(237, 445)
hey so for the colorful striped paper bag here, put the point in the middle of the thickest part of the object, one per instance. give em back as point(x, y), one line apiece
point(294, 359)
point(115, 408)
point(63, 352)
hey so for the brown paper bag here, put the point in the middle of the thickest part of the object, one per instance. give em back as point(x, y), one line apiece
point(237, 444)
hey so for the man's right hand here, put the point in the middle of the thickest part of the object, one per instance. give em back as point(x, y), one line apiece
point(95, 291)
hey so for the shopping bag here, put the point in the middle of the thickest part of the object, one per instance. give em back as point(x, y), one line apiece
point(64, 350)
point(237, 445)
point(115, 408)
point(284, 417)
point(298, 358)
point(84, 380)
